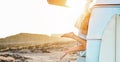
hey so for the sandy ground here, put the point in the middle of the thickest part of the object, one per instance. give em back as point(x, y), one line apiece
point(54, 56)
point(39, 48)
point(49, 55)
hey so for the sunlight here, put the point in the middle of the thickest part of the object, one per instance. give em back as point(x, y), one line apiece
point(66, 17)
point(76, 3)
point(76, 6)
point(37, 16)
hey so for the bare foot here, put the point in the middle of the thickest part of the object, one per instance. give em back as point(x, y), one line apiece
point(69, 35)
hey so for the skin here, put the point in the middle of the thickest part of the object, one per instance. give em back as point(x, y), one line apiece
point(83, 27)
point(81, 47)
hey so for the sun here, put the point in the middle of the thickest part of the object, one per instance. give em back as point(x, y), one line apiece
point(37, 16)
point(80, 4)
point(76, 6)
point(62, 19)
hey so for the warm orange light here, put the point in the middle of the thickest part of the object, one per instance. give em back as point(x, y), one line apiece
point(68, 3)
point(57, 2)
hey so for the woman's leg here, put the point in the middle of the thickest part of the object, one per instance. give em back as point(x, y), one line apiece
point(73, 49)
point(75, 37)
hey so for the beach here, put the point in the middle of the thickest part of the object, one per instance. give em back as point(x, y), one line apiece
point(26, 47)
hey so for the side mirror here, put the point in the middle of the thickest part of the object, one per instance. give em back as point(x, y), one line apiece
point(57, 2)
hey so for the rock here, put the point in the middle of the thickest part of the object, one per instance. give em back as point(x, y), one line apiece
point(2, 58)
point(24, 51)
point(12, 57)
point(6, 59)
point(37, 51)
point(45, 51)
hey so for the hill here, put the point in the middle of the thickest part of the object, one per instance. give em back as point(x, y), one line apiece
point(27, 39)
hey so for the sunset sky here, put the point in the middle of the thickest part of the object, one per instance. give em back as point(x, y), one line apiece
point(37, 16)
